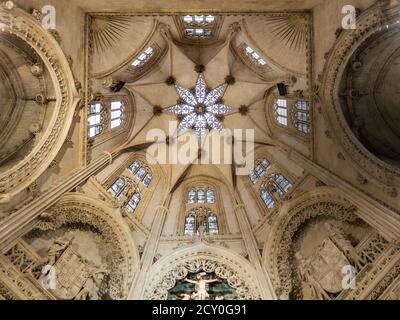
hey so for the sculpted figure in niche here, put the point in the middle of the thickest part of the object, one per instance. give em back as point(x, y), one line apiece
point(56, 250)
point(338, 237)
point(201, 293)
point(305, 275)
point(58, 247)
point(92, 283)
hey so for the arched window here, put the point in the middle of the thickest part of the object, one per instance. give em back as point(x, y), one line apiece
point(212, 224)
point(116, 114)
point(281, 111)
point(133, 201)
point(201, 195)
point(117, 187)
point(267, 198)
point(260, 168)
point(252, 54)
point(201, 217)
point(190, 224)
point(95, 126)
point(302, 116)
point(282, 184)
point(142, 172)
point(210, 196)
point(143, 57)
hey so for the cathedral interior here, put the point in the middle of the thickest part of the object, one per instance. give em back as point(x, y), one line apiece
point(199, 150)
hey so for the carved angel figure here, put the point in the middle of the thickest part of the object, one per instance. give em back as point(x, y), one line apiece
point(337, 236)
point(92, 283)
point(305, 275)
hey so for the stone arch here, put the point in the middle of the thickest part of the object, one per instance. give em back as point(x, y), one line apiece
point(75, 209)
point(229, 266)
point(369, 23)
point(30, 32)
point(278, 247)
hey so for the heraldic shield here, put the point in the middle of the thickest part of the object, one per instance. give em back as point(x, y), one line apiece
point(71, 274)
point(327, 264)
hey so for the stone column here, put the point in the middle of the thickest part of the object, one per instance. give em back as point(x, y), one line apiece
point(149, 253)
point(265, 284)
point(376, 214)
point(18, 223)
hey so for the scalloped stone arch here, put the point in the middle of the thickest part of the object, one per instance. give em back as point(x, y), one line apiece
point(369, 23)
point(78, 208)
point(277, 250)
point(229, 266)
point(29, 30)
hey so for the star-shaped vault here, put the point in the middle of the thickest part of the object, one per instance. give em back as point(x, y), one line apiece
point(200, 109)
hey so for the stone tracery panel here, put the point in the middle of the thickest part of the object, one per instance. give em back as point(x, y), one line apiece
point(121, 257)
point(237, 276)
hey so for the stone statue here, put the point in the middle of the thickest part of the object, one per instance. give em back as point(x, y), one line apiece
point(92, 283)
point(306, 276)
point(201, 283)
point(337, 236)
point(57, 248)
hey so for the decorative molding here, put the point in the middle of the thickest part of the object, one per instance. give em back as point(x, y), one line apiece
point(279, 243)
point(124, 260)
point(25, 27)
point(369, 23)
point(235, 269)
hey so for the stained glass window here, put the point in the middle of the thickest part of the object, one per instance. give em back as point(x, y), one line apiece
point(94, 120)
point(281, 111)
point(267, 198)
point(198, 26)
point(282, 184)
point(252, 54)
point(302, 116)
point(190, 225)
point(201, 195)
point(133, 201)
point(134, 166)
point(116, 114)
point(117, 187)
point(200, 109)
point(260, 168)
point(147, 179)
point(210, 196)
point(212, 224)
point(191, 196)
point(143, 57)
point(142, 172)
